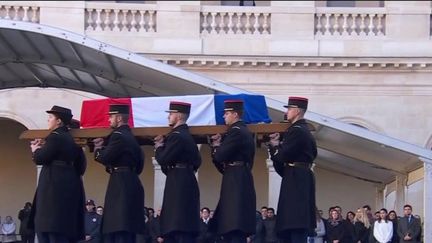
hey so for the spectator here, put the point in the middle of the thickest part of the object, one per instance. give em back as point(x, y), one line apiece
point(319, 233)
point(409, 227)
point(270, 227)
point(263, 212)
point(99, 210)
point(8, 229)
point(368, 210)
point(335, 229)
point(339, 209)
point(258, 237)
point(27, 234)
point(151, 213)
point(92, 223)
point(350, 217)
point(338, 229)
point(383, 228)
point(393, 217)
point(361, 226)
point(377, 215)
point(205, 235)
point(154, 228)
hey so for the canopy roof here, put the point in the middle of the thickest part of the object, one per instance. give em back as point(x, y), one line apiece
point(34, 55)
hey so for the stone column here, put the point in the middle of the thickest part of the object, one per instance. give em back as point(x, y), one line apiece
point(401, 185)
point(427, 192)
point(159, 185)
point(274, 185)
point(379, 196)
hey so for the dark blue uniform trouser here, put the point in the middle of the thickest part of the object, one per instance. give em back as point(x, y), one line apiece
point(294, 236)
point(180, 237)
point(46, 237)
point(119, 237)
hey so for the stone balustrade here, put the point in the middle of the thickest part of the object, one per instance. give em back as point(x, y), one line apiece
point(120, 17)
point(220, 20)
point(350, 22)
point(20, 12)
point(281, 29)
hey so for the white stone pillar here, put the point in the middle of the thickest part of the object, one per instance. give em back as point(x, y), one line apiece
point(379, 196)
point(274, 185)
point(401, 184)
point(159, 185)
point(427, 192)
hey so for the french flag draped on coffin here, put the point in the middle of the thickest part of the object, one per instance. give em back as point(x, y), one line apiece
point(150, 111)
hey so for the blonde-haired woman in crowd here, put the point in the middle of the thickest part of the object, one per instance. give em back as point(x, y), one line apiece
point(361, 226)
point(383, 228)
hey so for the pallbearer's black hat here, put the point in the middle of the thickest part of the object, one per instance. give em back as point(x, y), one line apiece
point(297, 102)
point(118, 109)
point(65, 114)
point(177, 106)
point(233, 105)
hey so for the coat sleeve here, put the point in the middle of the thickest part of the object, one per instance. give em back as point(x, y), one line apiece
point(289, 146)
point(168, 153)
point(96, 230)
point(48, 151)
point(400, 232)
point(320, 229)
point(228, 146)
point(415, 229)
point(111, 153)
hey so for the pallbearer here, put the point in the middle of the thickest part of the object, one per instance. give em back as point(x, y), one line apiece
point(58, 207)
point(179, 158)
point(233, 155)
point(123, 158)
point(293, 157)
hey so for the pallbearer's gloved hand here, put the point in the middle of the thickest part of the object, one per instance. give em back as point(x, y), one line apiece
point(274, 139)
point(216, 140)
point(98, 143)
point(159, 141)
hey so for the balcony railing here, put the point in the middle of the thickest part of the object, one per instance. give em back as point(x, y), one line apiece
point(357, 22)
point(120, 17)
point(216, 20)
point(20, 12)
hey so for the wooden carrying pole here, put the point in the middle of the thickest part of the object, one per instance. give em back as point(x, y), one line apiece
point(145, 135)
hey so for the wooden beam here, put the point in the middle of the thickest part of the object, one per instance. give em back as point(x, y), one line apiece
point(151, 132)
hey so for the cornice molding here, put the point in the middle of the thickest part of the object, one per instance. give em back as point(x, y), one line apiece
point(297, 63)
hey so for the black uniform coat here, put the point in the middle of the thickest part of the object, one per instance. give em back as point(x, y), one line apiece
point(181, 204)
point(58, 206)
point(124, 199)
point(237, 202)
point(296, 206)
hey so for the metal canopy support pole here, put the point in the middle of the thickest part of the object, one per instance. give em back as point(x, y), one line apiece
point(427, 197)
